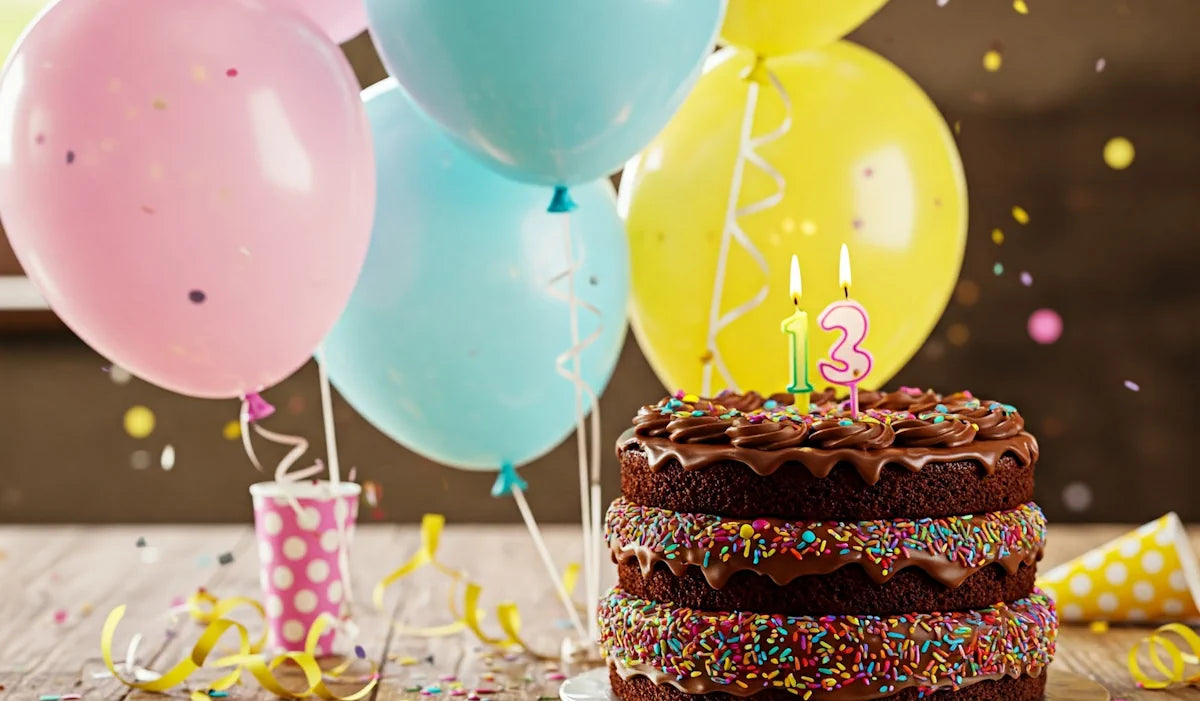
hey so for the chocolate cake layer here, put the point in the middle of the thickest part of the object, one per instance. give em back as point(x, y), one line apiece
point(847, 591)
point(733, 488)
point(1023, 688)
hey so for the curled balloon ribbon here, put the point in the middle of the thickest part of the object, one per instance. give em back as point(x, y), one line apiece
point(254, 410)
point(471, 615)
point(747, 152)
point(247, 658)
point(1168, 658)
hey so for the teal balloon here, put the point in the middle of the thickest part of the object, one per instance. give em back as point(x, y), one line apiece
point(450, 339)
point(551, 92)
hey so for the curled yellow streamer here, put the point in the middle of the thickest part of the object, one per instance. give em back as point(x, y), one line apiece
point(246, 659)
point(1167, 657)
point(507, 613)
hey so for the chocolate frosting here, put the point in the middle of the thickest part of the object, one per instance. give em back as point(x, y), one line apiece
point(847, 658)
point(948, 549)
point(908, 427)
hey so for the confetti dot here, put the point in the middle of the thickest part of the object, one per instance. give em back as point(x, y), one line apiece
point(998, 269)
point(997, 236)
point(70, 157)
point(1143, 591)
point(1152, 562)
point(139, 422)
point(232, 431)
point(167, 460)
point(1100, 64)
point(1045, 326)
point(1020, 215)
point(225, 558)
point(1020, 7)
point(282, 577)
point(159, 104)
point(318, 571)
point(199, 74)
point(140, 459)
point(232, 72)
point(305, 600)
point(966, 293)
point(1098, 627)
point(958, 334)
point(272, 523)
point(119, 375)
point(1077, 497)
point(1080, 584)
point(294, 548)
point(1026, 278)
point(992, 60)
point(197, 296)
point(1118, 153)
point(958, 126)
point(293, 631)
point(1132, 386)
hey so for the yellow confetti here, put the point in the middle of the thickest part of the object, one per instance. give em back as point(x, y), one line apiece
point(232, 431)
point(160, 104)
point(997, 236)
point(1020, 215)
point(992, 61)
point(958, 126)
point(958, 334)
point(1020, 7)
point(139, 422)
point(1098, 626)
point(1118, 153)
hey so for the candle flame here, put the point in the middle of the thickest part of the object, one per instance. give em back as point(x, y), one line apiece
point(844, 270)
point(794, 282)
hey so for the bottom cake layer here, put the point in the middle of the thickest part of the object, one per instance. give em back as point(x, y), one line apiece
point(1023, 688)
point(844, 657)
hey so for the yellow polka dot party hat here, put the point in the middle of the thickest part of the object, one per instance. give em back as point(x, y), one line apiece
point(1148, 574)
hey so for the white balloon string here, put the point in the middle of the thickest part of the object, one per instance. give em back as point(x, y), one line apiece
point(335, 470)
point(747, 152)
point(589, 471)
point(539, 543)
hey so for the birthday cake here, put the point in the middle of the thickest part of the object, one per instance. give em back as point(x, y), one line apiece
point(769, 553)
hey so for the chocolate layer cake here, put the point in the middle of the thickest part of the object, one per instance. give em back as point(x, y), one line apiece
point(771, 553)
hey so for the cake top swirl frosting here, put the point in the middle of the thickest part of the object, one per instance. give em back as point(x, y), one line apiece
point(908, 417)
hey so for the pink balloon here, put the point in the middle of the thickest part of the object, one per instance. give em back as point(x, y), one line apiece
point(190, 183)
point(1045, 326)
point(342, 20)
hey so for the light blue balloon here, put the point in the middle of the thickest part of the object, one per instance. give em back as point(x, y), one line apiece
point(548, 91)
point(449, 341)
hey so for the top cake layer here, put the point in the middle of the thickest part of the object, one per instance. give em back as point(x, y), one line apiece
point(909, 453)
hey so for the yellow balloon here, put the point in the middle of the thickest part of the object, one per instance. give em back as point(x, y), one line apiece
point(779, 27)
point(867, 161)
point(15, 15)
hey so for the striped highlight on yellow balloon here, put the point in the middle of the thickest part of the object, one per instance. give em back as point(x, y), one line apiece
point(1148, 574)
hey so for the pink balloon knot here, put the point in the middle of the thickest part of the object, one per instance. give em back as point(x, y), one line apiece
point(257, 408)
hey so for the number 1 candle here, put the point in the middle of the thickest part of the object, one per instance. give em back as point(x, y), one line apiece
point(848, 363)
point(796, 326)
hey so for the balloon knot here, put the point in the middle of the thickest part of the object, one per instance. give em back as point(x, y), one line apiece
point(257, 408)
point(758, 73)
point(561, 203)
point(507, 481)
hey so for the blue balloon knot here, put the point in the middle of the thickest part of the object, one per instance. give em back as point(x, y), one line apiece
point(507, 481)
point(561, 203)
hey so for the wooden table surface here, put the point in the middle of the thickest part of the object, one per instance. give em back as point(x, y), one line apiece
point(85, 571)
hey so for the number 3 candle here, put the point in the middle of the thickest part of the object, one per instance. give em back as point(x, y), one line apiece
point(848, 363)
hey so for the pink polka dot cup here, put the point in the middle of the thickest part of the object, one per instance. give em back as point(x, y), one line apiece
point(304, 531)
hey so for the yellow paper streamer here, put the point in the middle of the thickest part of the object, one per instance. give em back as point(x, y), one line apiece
point(1172, 669)
point(245, 660)
point(507, 613)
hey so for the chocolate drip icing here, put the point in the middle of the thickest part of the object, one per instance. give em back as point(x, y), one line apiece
point(820, 462)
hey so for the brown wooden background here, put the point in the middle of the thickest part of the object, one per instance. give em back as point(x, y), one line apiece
point(1115, 253)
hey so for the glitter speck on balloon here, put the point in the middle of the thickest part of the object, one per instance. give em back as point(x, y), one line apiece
point(197, 296)
point(70, 157)
point(1045, 326)
point(1132, 386)
point(1020, 215)
point(992, 61)
point(1118, 153)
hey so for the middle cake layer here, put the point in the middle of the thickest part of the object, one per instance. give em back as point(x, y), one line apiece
point(898, 565)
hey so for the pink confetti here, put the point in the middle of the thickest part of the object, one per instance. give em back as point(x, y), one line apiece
point(1132, 386)
point(1045, 326)
point(60, 616)
point(1026, 278)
